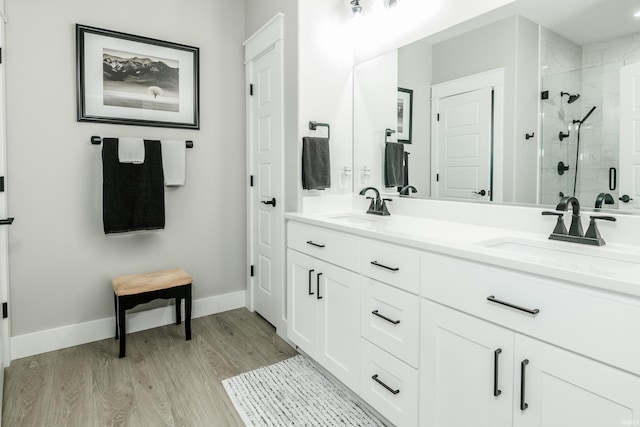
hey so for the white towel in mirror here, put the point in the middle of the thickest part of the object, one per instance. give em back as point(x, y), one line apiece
point(131, 150)
point(173, 162)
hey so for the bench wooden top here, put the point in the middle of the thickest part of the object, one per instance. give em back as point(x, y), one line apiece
point(131, 284)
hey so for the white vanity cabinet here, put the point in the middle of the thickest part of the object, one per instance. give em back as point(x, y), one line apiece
point(324, 309)
point(502, 376)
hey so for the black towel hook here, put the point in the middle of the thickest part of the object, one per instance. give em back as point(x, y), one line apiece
point(314, 126)
point(97, 140)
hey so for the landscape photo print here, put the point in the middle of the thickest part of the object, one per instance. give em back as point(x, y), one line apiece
point(128, 79)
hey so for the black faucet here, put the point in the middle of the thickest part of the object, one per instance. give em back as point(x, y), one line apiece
point(404, 191)
point(576, 225)
point(378, 205)
point(604, 197)
point(575, 235)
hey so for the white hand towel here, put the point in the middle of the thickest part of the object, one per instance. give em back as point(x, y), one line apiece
point(173, 162)
point(131, 150)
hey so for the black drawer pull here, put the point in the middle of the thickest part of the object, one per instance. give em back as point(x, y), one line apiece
point(377, 264)
point(310, 291)
point(496, 391)
point(493, 299)
point(376, 313)
point(318, 285)
point(375, 378)
point(523, 366)
point(317, 245)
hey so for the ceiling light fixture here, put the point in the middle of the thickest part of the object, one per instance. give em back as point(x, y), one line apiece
point(356, 9)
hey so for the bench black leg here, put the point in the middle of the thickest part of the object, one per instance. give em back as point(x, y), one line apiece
point(187, 312)
point(123, 331)
point(115, 308)
point(178, 310)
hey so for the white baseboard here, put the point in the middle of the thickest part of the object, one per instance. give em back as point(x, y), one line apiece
point(82, 333)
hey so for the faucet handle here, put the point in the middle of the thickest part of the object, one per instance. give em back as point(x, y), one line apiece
point(593, 232)
point(387, 200)
point(560, 227)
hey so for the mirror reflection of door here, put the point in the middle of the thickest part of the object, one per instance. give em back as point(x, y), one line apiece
point(464, 128)
point(630, 137)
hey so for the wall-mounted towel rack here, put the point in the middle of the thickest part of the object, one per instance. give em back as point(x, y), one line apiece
point(387, 133)
point(97, 140)
point(314, 126)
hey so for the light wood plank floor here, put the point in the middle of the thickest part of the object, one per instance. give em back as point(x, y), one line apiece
point(164, 380)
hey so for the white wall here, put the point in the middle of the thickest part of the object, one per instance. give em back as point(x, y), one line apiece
point(325, 90)
point(381, 30)
point(61, 263)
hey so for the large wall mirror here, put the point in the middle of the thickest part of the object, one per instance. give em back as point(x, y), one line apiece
point(527, 104)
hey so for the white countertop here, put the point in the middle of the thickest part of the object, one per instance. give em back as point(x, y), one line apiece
point(613, 267)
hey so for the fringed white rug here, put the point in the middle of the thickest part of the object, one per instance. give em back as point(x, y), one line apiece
point(294, 393)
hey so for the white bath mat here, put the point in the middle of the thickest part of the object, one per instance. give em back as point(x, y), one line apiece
point(294, 393)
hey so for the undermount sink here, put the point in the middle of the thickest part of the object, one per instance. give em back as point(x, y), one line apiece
point(353, 220)
point(569, 256)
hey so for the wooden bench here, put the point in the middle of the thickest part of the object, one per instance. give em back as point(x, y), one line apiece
point(133, 289)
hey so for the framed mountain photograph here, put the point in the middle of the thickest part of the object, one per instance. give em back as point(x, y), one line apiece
point(134, 80)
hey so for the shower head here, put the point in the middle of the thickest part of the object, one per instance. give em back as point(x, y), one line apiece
point(572, 98)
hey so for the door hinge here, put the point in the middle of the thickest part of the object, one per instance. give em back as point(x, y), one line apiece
point(251, 271)
point(250, 180)
point(438, 117)
point(437, 177)
point(251, 89)
point(5, 310)
point(1, 184)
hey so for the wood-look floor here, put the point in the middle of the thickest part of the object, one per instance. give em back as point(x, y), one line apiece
point(164, 380)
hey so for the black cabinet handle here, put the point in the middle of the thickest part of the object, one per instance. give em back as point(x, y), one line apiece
point(377, 264)
point(318, 285)
point(317, 245)
point(493, 299)
point(375, 378)
point(496, 391)
point(523, 367)
point(376, 313)
point(310, 291)
point(271, 202)
point(6, 221)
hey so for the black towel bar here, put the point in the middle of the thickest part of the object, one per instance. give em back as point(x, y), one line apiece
point(97, 140)
point(314, 126)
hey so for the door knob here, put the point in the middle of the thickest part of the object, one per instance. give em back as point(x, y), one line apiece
point(481, 192)
point(271, 202)
point(625, 198)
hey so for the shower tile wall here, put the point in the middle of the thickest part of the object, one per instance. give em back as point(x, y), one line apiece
point(560, 61)
point(593, 71)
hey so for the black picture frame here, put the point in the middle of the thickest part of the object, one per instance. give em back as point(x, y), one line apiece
point(134, 80)
point(405, 115)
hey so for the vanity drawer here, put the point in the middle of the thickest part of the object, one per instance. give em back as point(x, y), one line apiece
point(334, 247)
point(395, 265)
point(390, 318)
point(389, 385)
point(598, 324)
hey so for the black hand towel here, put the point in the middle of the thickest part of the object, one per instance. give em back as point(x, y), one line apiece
point(132, 194)
point(316, 168)
point(393, 169)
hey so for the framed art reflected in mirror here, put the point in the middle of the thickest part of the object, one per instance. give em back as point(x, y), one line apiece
point(405, 111)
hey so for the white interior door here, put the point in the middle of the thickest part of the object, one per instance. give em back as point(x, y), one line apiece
point(5, 354)
point(630, 137)
point(463, 161)
point(266, 203)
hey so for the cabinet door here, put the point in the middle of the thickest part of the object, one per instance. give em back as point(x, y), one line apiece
point(564, 389)
point(466, 370)
point(339, 323)
point(302, 301)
